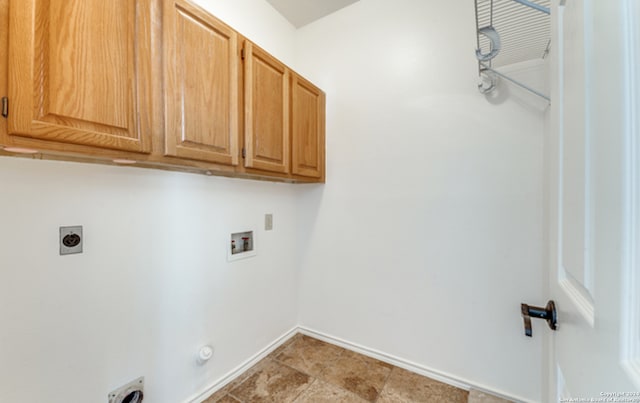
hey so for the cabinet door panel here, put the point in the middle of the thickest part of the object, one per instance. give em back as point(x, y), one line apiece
point(201, 71)
point(266, 111)
point(307, 121)
point(79, 72)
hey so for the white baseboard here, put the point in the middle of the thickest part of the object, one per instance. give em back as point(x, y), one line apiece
point(234, 373)
point(369, 352)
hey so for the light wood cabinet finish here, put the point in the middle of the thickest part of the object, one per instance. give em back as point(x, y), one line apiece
point(4, 59)
point(161, 83)
point(201, 73)
point(79, 72)
point(307, 128)
point(266, 113)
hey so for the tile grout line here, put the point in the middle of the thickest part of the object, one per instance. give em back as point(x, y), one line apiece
point(369, 364)
point(290, 346)
point(278, 362)
point(385, 384)
point(314, 378)
point(233, 396)
point(326, 365)
point(289, 366)
point(320, 375)
point(245, 376)
point(307, 388)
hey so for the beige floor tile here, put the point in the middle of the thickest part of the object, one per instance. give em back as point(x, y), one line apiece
point(274, 382)
point(309, 355)
point(406, 387)
point(323, 392)
point(228, 399)
point(288, 375)
point(481, 397)
point(285, 345)
point(215, 398)
point(356, 373)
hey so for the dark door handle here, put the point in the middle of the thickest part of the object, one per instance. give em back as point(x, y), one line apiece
point(547, 313)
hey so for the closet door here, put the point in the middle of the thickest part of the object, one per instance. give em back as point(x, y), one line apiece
point(266, 111)
point(79, 72)
point(307, 128)
point(201, 79)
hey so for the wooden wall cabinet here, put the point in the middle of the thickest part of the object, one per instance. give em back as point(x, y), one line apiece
point(307, 128)
point(200, 73)
point(284, 118)
point(158, 82)
point(266, 111)
point(79, 72)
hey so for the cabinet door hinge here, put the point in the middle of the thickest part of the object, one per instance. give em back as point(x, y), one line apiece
point(244, 153)
point(5, 107)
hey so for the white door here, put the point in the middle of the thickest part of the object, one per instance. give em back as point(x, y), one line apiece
point(594, 194)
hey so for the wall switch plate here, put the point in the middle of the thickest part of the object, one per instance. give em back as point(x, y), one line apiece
point(71, 240)
point(131, 392)
point(268, 222)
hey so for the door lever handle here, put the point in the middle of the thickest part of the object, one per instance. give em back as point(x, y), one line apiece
point(547, 313)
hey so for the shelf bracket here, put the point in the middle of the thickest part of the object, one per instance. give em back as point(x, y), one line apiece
point(533, 5)
point(518, 83)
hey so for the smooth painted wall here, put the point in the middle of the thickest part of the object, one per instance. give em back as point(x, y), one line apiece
point(259, 22)
point(429, 231)
point(153, 284)
point(422, 244)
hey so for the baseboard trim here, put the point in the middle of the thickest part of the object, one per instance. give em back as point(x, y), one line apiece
point(234, 373)
point(409, 365)
point(369, 352)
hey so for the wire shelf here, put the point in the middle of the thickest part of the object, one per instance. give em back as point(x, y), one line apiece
point(524, 28)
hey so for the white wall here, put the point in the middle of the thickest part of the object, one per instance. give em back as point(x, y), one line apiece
point(428, 233)
point(153, 284)
point(151, 287)
point(258, 21)
point(422, 243)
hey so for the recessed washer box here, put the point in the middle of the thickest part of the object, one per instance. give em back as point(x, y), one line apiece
point(241, 245)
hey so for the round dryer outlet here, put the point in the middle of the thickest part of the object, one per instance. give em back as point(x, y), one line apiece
point(133, 392)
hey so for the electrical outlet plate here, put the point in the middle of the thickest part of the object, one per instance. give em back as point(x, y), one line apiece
point(71, 240)
point(131, 392)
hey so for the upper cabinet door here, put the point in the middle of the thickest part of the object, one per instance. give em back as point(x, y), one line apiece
point(308, 126)
point(79, 72)
point(201, 82)
point(266, 111)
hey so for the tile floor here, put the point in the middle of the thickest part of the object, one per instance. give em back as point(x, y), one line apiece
point(305, 369)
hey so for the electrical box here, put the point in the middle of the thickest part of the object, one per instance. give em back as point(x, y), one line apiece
point(241, 245)
point(70, 240)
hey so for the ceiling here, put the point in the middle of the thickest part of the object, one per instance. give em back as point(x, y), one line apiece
point(303, 12)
